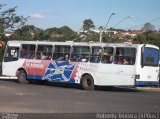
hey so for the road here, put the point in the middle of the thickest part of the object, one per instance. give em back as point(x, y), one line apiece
point(34, 98)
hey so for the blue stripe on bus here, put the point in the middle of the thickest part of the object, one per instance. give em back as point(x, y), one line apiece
point(146, 83)
point(34, 77)
point(37, 77)
point(61, 80)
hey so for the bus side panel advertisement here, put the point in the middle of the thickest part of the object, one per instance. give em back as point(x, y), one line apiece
point(62, 71)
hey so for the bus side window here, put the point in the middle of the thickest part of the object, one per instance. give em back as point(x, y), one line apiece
point(27, 51)
point(62, 52)
point(95, 56)
point(44, 52)
point(125, 56)
point(23, 53)
point(80, 54)
point(107, 55)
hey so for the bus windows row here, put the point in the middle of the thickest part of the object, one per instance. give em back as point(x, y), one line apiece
point(94, 54)
point(43, 52)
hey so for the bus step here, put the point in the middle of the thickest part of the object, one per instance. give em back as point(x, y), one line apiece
point(7, 77)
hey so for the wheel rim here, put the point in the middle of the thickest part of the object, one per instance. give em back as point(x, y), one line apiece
point(87, 83)
point(22, 77)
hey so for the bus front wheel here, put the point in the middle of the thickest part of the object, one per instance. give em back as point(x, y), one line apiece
point(22, 77)
point(87, 82)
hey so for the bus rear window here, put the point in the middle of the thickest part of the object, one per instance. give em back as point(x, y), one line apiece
point(150, 57)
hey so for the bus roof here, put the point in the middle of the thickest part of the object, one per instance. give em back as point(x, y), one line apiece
point(18, 43)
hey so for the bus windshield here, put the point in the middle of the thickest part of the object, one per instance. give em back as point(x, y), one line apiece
point(11, 54)
point(150, 57)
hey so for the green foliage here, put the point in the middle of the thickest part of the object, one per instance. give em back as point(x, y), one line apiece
point(90, 36)
point(148, 38)
point(109, 38)
point(88, 24)
point(60, 34)
point(8, 21)
point(28, 32)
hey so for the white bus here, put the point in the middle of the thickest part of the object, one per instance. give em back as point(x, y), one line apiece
point(88, 64)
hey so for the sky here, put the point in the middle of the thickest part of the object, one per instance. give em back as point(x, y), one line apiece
point(57, 13)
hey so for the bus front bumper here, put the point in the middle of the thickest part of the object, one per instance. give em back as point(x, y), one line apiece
point(146, 83)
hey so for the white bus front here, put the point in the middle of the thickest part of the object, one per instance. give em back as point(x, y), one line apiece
point(147, 70)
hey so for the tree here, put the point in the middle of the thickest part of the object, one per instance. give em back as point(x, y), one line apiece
point(60, 34)
point(9, 21)
point(148, 38)
point(148, 27)
point(92, 36)
point(110, 38)
point(140, 39)
point(87, 33)
point(67, 33)
point(27, 32)
point(88, 24)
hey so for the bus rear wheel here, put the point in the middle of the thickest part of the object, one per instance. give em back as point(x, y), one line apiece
point(87, 82)
point(22, 77)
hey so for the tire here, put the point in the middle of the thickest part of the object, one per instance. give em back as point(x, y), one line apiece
point(22, 77)
point(87, 82)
